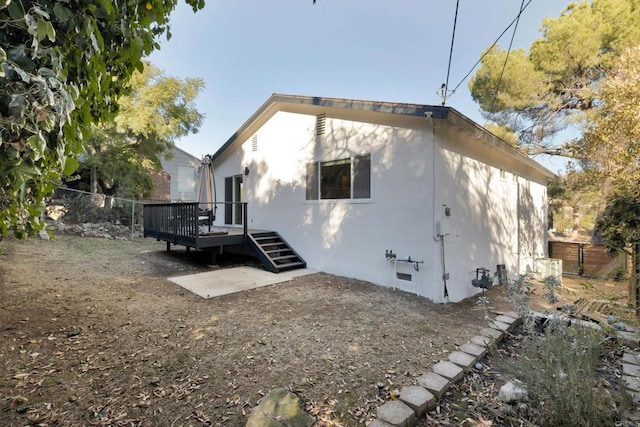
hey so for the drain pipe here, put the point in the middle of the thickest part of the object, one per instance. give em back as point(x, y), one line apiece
point(445, 275)
point(391, 258)
point(437, 232)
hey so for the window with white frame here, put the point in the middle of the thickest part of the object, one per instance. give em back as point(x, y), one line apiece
point(186, 179)
point(348, 178)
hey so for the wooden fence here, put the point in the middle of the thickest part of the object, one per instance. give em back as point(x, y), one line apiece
point(586, 259)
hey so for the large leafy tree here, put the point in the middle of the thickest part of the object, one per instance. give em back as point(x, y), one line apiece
point(612, 136)
point(556, 82)
point(613, 139)
point(63, 66)
point(158, 110)
point(619, 227)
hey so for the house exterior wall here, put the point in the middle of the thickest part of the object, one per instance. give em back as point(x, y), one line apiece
point(496, 216)
point(416, 172)
point(183, 170)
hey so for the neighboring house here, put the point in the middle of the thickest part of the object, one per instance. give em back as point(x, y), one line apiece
point(182, 169)
point(345, 181)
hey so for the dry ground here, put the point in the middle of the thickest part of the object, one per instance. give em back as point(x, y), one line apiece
point(92, 333)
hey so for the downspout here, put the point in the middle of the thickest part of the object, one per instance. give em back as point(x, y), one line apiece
point(436, 231)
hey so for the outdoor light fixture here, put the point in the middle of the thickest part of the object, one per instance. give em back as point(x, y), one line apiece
point(246, 170)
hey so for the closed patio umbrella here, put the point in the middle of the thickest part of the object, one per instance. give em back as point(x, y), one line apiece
point(206, 189)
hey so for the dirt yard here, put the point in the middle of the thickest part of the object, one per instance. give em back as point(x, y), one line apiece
point(92, 333)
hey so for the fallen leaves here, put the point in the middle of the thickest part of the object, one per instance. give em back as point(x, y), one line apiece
point(128, 347)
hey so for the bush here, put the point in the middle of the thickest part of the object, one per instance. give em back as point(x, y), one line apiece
point(558, 363)
point(559, 369)
point(80, 209)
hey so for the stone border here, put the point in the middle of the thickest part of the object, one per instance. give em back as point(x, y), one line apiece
point(631, 378)
point(415, 401)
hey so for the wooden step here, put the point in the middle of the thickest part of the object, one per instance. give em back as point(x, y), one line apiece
point(280, 242)
point(273, 251)
point(263, 233)
point(290, 265)
point(275, 247)
point(258, 239)
point(278, 258)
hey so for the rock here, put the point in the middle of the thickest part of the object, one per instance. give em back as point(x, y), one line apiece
point(279, 408)
point(55, 212)
point(479, 366)
point(512, 391)
point(620, 326)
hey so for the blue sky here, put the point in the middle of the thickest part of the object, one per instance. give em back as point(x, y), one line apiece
point(379, 50)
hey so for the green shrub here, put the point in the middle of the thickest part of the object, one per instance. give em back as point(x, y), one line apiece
point(559, 369)
point(80, 209)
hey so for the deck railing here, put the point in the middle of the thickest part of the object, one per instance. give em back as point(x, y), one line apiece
point(180, 223)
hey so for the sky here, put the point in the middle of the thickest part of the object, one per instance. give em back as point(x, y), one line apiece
point(378, 50)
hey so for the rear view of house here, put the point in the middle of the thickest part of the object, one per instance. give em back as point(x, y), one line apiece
point(410, 196)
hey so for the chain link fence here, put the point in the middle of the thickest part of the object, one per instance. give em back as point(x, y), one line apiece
point(93, 214)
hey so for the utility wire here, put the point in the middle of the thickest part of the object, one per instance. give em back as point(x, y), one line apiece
point(506, 59)
point(522, 9)
point(453, 36)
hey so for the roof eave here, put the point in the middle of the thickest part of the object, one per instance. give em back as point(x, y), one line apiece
point(459, 119)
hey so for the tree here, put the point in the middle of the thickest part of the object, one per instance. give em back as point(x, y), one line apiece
point(158, 110)
point(612, 137)
point(504, 133)
point(578, 189)
point(619, 227)
point(63, 66)
point(555, 83)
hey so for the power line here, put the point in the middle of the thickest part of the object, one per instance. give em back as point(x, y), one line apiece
point(506, 59)
point(453, 36)
point(522, 9)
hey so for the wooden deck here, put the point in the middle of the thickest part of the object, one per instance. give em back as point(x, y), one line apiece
point(185, 224)
point(188, 225)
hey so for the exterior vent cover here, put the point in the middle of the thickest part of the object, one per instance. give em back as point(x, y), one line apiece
point(254, 143)
point(320, 123)
point(404, 276)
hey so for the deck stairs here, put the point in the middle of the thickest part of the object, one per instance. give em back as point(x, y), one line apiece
point(274, 252)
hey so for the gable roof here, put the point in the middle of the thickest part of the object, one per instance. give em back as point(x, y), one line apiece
point(186, 154)
point(400, 114)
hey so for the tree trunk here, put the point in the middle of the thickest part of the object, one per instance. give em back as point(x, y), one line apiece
point(94, 180)
point(633, 273)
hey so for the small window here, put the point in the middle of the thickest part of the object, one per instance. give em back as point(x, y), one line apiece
point(186, 179)
point(339, 179)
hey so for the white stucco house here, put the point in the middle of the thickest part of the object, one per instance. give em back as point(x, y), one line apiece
point(345, 181)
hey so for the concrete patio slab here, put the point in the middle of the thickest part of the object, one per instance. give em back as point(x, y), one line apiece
point(230, 280)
